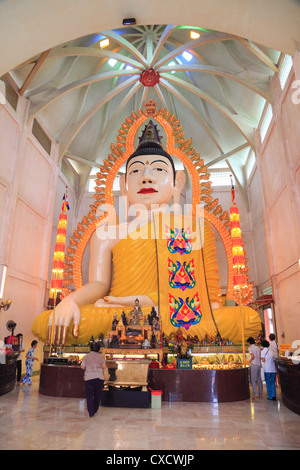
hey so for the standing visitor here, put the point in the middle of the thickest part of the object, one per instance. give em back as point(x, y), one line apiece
point(273, 345)
point(267, 358)
point(93, 365)
point(264, 347)
point(255, 375)
point(19, 359)
point(29, 363)
point(274, 348)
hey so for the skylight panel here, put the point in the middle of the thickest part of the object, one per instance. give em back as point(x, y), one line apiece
point(112, 62)
point(187, 56)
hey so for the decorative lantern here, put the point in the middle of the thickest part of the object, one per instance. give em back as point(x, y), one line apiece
point(59, 251)
point(242, 289)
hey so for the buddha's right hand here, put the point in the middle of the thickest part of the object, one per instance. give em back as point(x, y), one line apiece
point(66, 311)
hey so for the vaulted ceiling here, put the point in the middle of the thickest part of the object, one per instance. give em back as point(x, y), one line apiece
point(216, 84)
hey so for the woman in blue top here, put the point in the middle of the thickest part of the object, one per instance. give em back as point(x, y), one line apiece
point(29, 363)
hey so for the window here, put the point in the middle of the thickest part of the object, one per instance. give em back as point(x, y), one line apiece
point(92, 185)
point(266, 122)
point(269, 316)
point(285, 68)
point(221, 178)
point(250, 164)
point(116, 185)
point(8, 93)
point(187, 56)
point(41, 136)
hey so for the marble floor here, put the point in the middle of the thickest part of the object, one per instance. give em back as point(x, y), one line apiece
point(30, 421)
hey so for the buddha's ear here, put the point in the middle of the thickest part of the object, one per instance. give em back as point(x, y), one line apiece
point(124, 194)
point(179, 185)
point(123, 188)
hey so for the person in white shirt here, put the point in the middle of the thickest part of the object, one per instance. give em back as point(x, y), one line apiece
point(273, 345)
point(267, 358)
point(254, 362)
point(93, 365)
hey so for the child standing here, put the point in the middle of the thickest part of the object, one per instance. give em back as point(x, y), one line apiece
point(29, 363)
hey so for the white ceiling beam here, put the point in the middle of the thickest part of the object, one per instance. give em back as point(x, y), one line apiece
point(184, 101)
point(93, 52)
point(245, 127)
point(54, 82)
point(204, 39)
point(143, 97)
point(220, 83)
point(69, 134)
point(163, 38)
point(114, 117)
point(161, 96)
point(33, 72)
point(210, 69)
point(127, 45)
point(51, 96)
point(86, 162)
point(223, 156)
point(258, 53)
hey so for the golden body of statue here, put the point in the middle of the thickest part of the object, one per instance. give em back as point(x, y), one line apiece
point(124, 266)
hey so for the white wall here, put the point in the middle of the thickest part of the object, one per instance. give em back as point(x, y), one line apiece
point(278, 159)
point(27, 175)
point(31, 190)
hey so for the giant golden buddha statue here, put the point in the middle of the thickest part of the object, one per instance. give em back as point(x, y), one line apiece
point(166, 260)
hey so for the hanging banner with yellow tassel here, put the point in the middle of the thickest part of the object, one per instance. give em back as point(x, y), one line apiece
point(183, 296)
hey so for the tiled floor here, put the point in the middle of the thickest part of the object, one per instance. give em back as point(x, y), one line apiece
point(30, 421)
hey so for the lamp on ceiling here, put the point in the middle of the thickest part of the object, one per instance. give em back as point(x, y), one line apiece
point(194, 35)
point(104, 43)
point(129, 21)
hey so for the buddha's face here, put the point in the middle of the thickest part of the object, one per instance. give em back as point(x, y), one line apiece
point(150, 180)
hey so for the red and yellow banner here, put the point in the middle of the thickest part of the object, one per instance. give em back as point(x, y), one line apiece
point(183, 293)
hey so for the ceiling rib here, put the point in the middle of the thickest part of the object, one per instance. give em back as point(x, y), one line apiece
point(54, 95)
point(245, 128)
point(133, 50)
point(70, 133)
point(204, 39)
point(192, 109)
point(258, 53)
point(34, 71)
point(223, 156)
point(113, 119)
point(93, 52)
point(209, 69)
point(163, 38)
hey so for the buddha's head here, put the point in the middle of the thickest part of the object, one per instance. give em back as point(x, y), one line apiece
point(150, 178)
